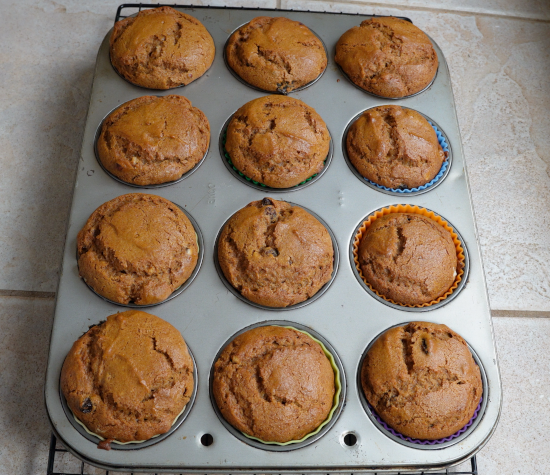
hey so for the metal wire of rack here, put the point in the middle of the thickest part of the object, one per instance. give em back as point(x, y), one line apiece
point(134, 8)
point(62, 462)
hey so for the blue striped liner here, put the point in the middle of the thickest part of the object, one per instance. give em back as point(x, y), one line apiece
point(444, 146)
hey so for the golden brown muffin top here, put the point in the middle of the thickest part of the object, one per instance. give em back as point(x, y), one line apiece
point(161, 48)
point(422, 380)
point(152, 140)
point(129, 377)
point(137, 248)
point(276, 54)
point(278, 141)
point(274, 383)
point(394, 147)
point(275, 254)
point(408, 258)
point(389, 57)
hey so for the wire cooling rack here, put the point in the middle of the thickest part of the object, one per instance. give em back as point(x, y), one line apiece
point(61, 462)
point(128, 9)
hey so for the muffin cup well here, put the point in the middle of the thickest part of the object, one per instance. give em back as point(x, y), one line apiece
point(180, 289)
point(421, 443)
point(278, 91)
point(318, 294)
point(159, 185)
point(338, 401)
point(143, 7)
point(260, 186)
point(391, 98)
point(395, 98)
point(134, 445)
point(461, 252)
point(434, 182)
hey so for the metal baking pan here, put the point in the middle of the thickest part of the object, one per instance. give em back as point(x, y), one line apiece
point(207, 313)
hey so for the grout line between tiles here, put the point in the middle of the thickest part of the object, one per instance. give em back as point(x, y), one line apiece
point(429, 9)
point(27, 294)
point(520, 313)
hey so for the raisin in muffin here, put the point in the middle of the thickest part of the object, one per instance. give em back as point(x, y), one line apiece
point(161, 48)
point(152, 140)
point(137, 249)
point(276, 54)
point(388, 57)
point(128, 378)
point(274, 383)
point(408, 258)
point(394, 147)
point(278, 141)
point(422, 380)
point(275, 254)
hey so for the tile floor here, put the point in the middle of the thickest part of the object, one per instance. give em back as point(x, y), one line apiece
point(499, 55)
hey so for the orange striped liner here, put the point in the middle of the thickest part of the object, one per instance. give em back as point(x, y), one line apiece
point(423, 212)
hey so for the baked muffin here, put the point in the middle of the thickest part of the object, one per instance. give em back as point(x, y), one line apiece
point(274, 383)
point(152, 140)
point(128, 378)
point(276, 54)
point(422, 380)
point(275, 254)
point(408, 258)
point(161, 48)
point(388, 57)
point(394, 147)
point(278, 141)
point(137, 249)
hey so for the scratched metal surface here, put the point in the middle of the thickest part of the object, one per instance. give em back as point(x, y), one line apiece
point(207, 313)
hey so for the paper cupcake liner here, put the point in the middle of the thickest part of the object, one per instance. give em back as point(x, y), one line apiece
point(424, 441)
point(460, 252)
point(335, 401)
point(257, 183)
point(445, 146)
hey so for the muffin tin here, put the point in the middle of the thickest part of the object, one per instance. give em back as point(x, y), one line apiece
point(207, 313)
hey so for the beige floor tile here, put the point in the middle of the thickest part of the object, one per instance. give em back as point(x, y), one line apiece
point(521, 443)
point(499, 69)
point(24, 342)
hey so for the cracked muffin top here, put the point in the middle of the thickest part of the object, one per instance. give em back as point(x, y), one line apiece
point(408, 258)
point(422, 380)
point(394, 147)
point(152, 140)
point(275, 254)
point(274, 383)
point(161, 48)
point(388, 57)
point(137, 249)
point(278, 141)
point(129, 377)
point(276, 54)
